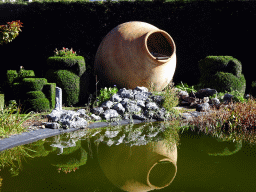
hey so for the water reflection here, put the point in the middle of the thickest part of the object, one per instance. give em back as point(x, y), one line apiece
point(133, 162)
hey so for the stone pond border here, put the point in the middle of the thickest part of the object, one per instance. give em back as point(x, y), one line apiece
point(32, 136)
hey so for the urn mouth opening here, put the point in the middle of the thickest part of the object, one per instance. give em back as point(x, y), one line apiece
point(160, 45)
point(162, 173)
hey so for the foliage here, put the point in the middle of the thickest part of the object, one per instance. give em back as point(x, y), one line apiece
point(234, 119)
point(105, 94)
point(10, 31)
point(185, 87)
point(64, 52)
point(222, 73)
point(68, 82)
point(33, 84)
point(75, 64)
point(11, 121)
point(171, 98)
point(37, 105)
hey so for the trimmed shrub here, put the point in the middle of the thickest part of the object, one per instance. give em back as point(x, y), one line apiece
point(11, 76)
point(25, 73)
point(228, 82)
point(223, 73)
point(1, 101)
point(35, 95)
point(68, 82)
point(213, 64)
point(17, 90)
point(75, 64)
point(37, 105)
point(50, 93)
point(33, 84)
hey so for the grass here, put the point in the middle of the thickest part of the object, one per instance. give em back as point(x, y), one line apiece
point(11, 121)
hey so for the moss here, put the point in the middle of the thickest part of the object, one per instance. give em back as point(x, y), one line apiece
point(49, 91)
point(68, 82)
point(75, 64)
point(33, 84)
point(37, 105)
point(35, 95)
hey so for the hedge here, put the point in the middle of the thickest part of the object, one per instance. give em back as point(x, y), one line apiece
point(33, 84)
point(37, 105)
point(69, 82)
point(50, 92)
point(75, 64)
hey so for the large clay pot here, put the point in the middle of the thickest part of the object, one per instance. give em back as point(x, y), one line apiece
point(139, 168)
point(136, 54)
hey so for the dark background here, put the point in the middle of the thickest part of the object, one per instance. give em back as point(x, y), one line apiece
point(199, 29)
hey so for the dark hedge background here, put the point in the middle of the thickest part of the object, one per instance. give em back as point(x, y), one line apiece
point(199, 29)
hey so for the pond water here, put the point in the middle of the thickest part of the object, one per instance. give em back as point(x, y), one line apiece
point(142, 157)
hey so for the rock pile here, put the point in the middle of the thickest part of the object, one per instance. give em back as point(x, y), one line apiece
point(131, 104)
point(125, 104)
point(201, 102)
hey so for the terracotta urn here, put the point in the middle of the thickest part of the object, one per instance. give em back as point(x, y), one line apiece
point(136, 54)
point(139, 168)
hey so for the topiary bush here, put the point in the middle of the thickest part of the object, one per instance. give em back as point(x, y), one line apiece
point(69, 82)
point(35, 95)
point(33, 84)
point(228, 82)
point(50, 93)
point(37, 105)
point(76, 64)
point(223, 73)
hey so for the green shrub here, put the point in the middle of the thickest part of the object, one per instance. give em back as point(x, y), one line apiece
point(17, 92)
point(33, 84)
point(213, 64)
point(35, 95)
point(11, 75)
point(75, 64)
point(68, 82)
point(37, 105)
point(227, 82)
point(1, 101)
point(223, 73)
point(105, 94)
point(25, 73)
point(49, 91)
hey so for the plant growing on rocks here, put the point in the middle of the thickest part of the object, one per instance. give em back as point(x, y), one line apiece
point(185, 87)
point(105, 94)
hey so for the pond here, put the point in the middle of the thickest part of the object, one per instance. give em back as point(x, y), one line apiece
point(141, 157)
